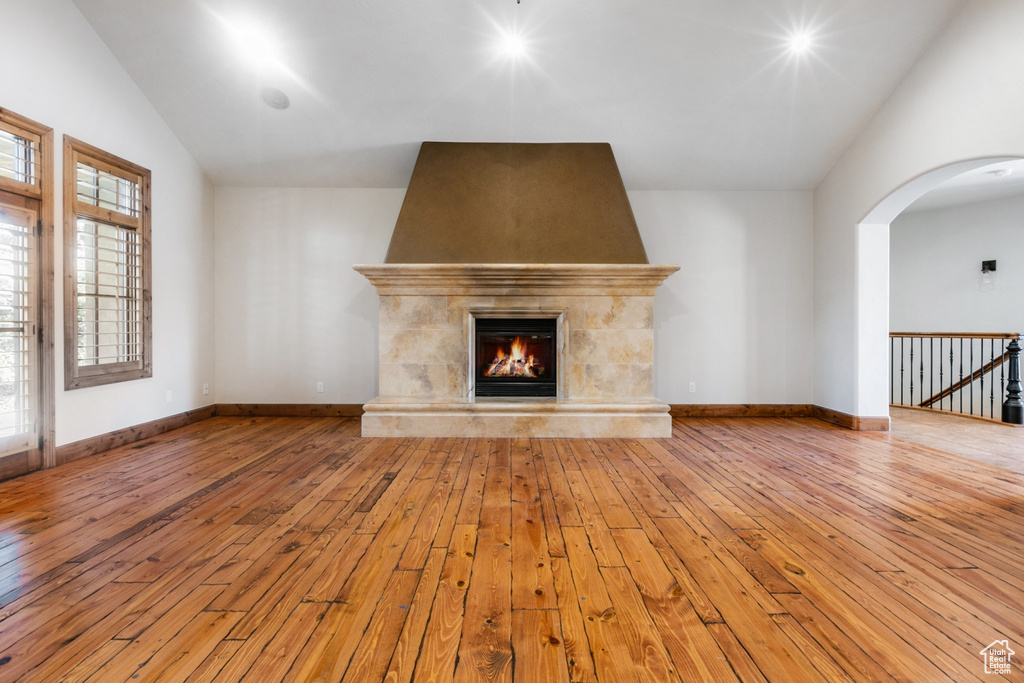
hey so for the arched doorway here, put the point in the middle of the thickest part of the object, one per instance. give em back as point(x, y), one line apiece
point(875, 239)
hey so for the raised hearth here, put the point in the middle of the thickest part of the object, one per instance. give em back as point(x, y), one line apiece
point(603, 349)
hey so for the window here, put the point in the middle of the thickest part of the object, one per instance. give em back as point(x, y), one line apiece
point(19, 152)
point(107, 301)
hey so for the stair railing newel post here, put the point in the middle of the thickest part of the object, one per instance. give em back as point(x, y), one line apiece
point(1013, 407)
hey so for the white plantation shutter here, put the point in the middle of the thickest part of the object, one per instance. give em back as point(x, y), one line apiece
point(18, 372)
point(18, 157)
point(108, 309)
point(97, 187)
point(109, 294)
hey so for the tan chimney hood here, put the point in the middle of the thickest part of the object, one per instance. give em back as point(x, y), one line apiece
point(516, 203)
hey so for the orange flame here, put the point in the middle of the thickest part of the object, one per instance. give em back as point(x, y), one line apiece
point(516, 364)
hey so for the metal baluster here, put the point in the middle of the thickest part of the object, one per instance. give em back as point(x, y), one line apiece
point(911, 371)
point(902, 355)
point(931, 367)
point(981, 396)
point(992, 384)
point(941, 376)
point(950, 375)
point(992, 379)
point(970, 373)
point(961, 384)
point(920, 345)
point(1002, 369)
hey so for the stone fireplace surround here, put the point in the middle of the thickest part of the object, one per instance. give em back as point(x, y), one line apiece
point(605, 321)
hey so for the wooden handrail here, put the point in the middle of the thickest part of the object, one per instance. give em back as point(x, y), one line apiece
point(984, 370)
point(961, 335)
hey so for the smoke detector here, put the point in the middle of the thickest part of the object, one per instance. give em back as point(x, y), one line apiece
point(275, 98)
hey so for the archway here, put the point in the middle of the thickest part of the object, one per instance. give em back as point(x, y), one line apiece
point(873, 245)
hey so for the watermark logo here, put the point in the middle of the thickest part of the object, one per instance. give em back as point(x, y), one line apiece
point(997, 657)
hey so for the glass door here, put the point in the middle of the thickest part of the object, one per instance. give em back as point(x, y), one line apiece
point(19, 372)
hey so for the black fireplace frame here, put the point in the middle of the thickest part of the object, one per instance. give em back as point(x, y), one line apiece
point(505, 387)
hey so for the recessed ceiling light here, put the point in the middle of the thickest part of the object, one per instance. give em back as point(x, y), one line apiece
point(800, 42)
point(251, 39)
point(275, 98)
point(512, 45)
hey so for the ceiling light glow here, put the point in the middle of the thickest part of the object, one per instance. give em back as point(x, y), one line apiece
point(800, 42)
point(512, 45)
point(252, 40)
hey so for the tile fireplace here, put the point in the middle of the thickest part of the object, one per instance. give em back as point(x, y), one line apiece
point(443, 325)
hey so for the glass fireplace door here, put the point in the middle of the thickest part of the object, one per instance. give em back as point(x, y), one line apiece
point(516, 357)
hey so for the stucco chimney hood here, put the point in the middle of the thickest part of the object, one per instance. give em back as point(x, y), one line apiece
point(491, 203)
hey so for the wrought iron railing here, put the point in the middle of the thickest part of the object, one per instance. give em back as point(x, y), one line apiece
point(971, 374)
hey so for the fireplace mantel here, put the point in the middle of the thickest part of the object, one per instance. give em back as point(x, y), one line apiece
point(605, 317)
point(468, 279)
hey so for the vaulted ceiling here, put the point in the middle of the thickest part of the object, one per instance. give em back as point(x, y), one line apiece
point(691, 94)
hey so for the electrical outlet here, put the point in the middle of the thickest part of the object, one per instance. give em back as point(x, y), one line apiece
point(206, 389)
point(170, 396)
point(319, 387)
point(693, 387)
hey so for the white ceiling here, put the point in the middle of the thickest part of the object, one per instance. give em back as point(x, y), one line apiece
point(692, 94)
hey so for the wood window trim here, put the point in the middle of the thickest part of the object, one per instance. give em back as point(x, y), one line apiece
point(78, 376)
point(43, 190)
point(17, 124)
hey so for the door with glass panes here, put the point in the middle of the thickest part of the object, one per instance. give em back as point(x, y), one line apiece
point(19, 372)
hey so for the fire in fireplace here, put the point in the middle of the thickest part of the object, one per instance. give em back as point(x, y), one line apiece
point(516, 357)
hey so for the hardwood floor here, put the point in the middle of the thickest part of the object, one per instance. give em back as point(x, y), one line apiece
point(266, 549)
point(991, 442)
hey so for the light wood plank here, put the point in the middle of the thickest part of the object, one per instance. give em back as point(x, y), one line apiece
point(440, 645)
point(537, 641)
point(403, 662)
point(485, 652)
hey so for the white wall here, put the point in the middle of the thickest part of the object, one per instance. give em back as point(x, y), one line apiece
point(935, 268)
point(736, 319)
point(961, 101)
point(291, 311)
point(67, 79)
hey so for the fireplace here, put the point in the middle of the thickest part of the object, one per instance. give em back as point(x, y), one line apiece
point(516, 299)
point(589, 328)
point(515, 357)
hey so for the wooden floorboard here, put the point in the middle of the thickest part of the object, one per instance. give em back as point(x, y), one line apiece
point(291, 549)
point(984, 441)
